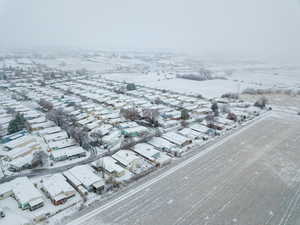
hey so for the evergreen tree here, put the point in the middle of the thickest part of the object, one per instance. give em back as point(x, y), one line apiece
point(215, 108)
point(185, 114)
point(131, 87)
point(17, 124)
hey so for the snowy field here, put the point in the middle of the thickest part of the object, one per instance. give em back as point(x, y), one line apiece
point(252, 178)
point(236, 82)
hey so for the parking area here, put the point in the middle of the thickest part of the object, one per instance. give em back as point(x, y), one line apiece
point(252, 178)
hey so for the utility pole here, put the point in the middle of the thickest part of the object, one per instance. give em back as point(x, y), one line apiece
point(238, 89)
point(1, 166)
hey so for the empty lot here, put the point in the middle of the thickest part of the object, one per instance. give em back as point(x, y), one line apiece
point(252, 179)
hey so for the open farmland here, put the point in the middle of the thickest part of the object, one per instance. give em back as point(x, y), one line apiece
point(251, 178)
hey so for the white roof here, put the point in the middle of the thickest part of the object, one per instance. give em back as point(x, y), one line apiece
point(199, 128)
point(175, 138)
point(72, 178)
point(56, 136)
point(137, 129)
point(85, 175)
point(92, 125)
point(86, 121)
point(61, 144)
point(50, 130)
point(42, 125)
point(190, 133)
point(159, 142)
point(19, 141)
point(56, 185)
point(37, 120)
point(24, 190)
point(104, 129)
point(112, 137)
point(224, 120)
point(19, 162)
point(109, 164)
point(146, 150)
point(17, 152)
point(70, 151)
point(128, 124)
point(126, 157)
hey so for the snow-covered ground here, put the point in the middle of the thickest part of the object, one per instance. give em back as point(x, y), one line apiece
point(239, 80)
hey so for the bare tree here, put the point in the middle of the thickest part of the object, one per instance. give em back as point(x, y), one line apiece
point(37, 159)
point(46, 104)
point(215, 108)
point(261, 102)
point(151, 115)
point(158, 100)
point(58, 116)
point(81, 136)
point(130, 114)
point(96, 136)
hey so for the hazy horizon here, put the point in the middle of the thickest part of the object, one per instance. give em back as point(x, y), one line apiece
point(256, 29)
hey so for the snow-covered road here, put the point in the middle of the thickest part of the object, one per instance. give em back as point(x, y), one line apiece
point(244, 179)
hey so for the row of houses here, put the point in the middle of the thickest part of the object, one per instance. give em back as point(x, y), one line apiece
point(58, 187)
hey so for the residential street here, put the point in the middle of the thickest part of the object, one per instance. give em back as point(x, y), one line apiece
point(250, 178)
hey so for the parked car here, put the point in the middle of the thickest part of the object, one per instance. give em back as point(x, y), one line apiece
point(2, 214)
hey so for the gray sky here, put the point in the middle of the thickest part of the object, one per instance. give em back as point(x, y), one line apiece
point(268, 28)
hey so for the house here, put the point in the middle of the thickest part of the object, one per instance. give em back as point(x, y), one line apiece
point(58, 189)
point(199, 128)
point(203, 110)
point(57, 145)
point(85, 176)
point(49, 130)
point(127, 158)
point(26, 195)
point(134, 131)
point(55, 136)
point(92, 125)
point(13, 136)
point(40, 119)
point(110, 166)
point(125, 125)
point(32, 114)
point(216, 125)
point(190, 133)
point(40, 126)
point(85, 121)
point(165, 146)
point(104, 129)
point(169, 123)
point(68, 153)
point(173, 115)
point(81, 116)
point(113, 139)
point(19, 142)
point(151, 154)
point(177, 139)
point(21, 163)
point(21, 151)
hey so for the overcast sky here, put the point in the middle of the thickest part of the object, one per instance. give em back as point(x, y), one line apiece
point(268, 28)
